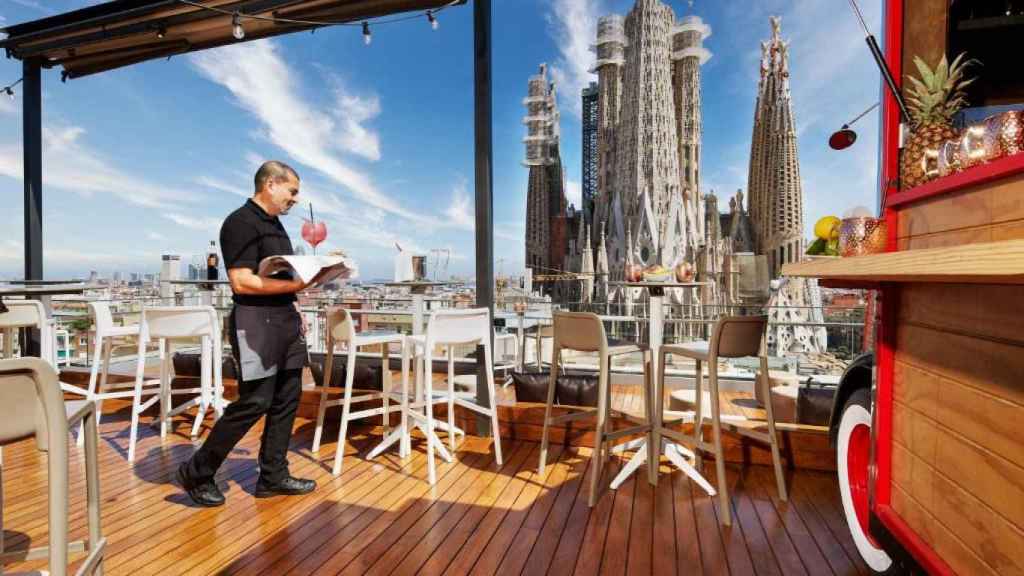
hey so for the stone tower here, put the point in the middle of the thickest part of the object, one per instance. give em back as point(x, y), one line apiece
point(546, 238)
point(776, 196)
point(647, 183)
point(610, 50)
point(688, 55)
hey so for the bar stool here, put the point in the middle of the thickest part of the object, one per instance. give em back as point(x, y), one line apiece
point(166, 323)
point(108, 338)
point(32, 404)
point(31, 314)
point(584, 332)
point(449, 328)
point(539, 334)
point(732, 337)
point(341, 328)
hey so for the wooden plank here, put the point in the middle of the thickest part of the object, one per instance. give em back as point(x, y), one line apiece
point(830, 547)
point(955, 553)
point(591, 552)
point(694, 550)
point(616, 544)
point(499, 496)
point(996, 202)
point(985, 311)
point(987, 233)
point(806, 548)
point(977, 416)
point(988, 366)
point(560, 522)
point(985, 263)
point(713, 555)
point(423, 545)
point(639, 560)
point(664, 560)
point(824, 497)
point(778, 538)
point(761, 553)
point(733, 538)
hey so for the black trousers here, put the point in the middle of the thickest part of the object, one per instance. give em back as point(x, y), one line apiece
point(277, 398)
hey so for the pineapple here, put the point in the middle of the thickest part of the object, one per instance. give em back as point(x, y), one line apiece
point(932, 101)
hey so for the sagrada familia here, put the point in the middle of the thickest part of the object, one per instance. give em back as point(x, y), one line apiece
point(649, 208)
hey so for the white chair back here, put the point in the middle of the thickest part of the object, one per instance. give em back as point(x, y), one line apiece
point(451, 327)
point(23, 314)
point(171, 322)
point(101, 316)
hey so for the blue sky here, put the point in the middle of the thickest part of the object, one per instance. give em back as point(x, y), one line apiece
point(149, 159)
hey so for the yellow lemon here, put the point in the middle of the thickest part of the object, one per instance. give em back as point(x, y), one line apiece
point(827, 227)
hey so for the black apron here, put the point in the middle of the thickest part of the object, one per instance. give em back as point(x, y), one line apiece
point(266, 339)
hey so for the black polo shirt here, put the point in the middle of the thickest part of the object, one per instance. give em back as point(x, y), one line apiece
point(248, 236)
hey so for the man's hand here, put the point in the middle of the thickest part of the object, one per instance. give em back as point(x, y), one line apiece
point(244, 281)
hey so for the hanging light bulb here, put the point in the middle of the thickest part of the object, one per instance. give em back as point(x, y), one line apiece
point(10, 92)
point(367, 37)
point(433, 20)
point(236, 27)
point(161, 31)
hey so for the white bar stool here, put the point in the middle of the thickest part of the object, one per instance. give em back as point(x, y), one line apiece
point(449, 328)
point(32, 314)
point(341, 328)
point(108, 338)
point(168, 323)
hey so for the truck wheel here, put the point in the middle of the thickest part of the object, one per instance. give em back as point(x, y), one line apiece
point(853, 454)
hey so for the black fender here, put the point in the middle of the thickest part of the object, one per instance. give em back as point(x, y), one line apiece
point(857, 375)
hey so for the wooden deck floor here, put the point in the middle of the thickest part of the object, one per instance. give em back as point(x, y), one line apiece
point(382, 517)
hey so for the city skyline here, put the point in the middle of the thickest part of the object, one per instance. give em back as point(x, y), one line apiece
point(158, 154)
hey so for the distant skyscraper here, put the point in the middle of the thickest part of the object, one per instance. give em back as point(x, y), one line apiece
point(546, 238)
point(94, 276)
point(170, 269)
point(590, 150)
point(135, 277)
point(116, 278)
point(776, 195)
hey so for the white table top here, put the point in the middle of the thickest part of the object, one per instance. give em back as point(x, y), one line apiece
point(49, 290)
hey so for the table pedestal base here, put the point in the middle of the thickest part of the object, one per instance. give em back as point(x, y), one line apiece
point(675, 453)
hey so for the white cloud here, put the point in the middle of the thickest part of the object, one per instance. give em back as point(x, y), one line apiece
point(156, 236)
point(460, 212)
point(70, 164)
point(574, 193)
point(353, 111)
point(201, 223)
point(573, 26)
point(217, 184)
point(264, 85)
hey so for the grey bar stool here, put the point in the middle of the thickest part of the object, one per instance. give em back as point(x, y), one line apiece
point(732, 337)
point(32, 404)
point(584, 332)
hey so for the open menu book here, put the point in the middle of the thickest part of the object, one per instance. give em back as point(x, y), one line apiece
point(313, 270)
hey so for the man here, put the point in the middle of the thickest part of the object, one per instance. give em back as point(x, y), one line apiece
point(267, 337)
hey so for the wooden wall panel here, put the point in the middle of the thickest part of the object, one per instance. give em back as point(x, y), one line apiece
point(984, 213)
point(924, 33)
point(953, 551)
point(992, 367)
point(985, 311)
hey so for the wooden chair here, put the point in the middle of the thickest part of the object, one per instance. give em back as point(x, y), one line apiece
point(732, 337)
point(341, 329)
point(32, 404)
point(584, 332)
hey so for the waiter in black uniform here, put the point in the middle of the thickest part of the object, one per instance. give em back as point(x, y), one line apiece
point(268, 339)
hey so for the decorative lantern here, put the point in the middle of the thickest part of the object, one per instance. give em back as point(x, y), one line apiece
point(949, 157)
point(862, 235)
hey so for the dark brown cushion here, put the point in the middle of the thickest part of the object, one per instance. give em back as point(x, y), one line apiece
point(368, 374)
point(572, 389)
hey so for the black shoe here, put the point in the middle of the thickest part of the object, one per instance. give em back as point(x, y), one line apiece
point(204, 494)
point(290, 486)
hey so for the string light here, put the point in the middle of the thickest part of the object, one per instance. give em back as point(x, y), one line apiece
point(239, 33)
point(161, 31)
point(9, 89)
point(236, 27)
